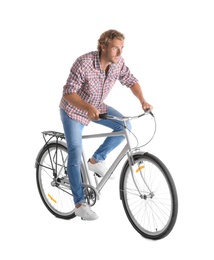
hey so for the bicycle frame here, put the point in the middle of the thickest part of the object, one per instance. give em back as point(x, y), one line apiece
point(114, 164)
point(127, 150)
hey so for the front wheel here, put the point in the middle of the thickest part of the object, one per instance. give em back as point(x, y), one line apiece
point(149, 196)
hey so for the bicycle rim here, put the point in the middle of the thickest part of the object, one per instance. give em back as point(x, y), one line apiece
point(153, 214)
point(52, 181)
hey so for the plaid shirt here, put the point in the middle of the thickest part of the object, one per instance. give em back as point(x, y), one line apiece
point(92, 84)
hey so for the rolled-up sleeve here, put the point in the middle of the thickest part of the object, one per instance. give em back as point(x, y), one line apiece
point(126, 78)
point(75, 79)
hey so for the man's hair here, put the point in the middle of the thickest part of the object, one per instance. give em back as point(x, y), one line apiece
point(108, 36)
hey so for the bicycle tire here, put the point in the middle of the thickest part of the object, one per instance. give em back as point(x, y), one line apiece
point(154, 214)
point(50, 171)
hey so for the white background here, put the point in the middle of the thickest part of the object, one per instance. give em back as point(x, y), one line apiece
point(169, 48)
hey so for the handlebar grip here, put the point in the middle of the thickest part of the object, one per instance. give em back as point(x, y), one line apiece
point(148, 111)
point(103, 116)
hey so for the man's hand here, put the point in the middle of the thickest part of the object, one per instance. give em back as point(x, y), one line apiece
point(146, 106)
point(75, 100)
point(93, 113)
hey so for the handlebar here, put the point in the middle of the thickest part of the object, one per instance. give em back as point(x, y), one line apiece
point(125, 118)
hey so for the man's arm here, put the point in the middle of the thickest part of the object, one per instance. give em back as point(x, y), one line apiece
point(75, 100)
point(137, 91)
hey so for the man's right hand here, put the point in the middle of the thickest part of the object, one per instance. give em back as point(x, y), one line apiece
point(93, 113)
point(75, 100)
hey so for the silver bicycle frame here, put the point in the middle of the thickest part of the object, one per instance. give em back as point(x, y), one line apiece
point(127, 150)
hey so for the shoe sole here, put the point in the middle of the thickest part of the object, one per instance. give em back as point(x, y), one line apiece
point(98, 175)
point(111, 177)
point(85, 219)
point(88, 219)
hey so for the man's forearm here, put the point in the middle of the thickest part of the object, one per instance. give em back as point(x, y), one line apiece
point(75, 100)
point(136, 90)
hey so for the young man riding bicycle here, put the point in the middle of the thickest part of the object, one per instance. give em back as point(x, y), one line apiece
point(91, 78)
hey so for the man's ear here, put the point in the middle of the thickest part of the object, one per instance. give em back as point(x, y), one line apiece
point(103, 47)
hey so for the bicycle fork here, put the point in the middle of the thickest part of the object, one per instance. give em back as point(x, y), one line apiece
point(131, 164)
point(133, 170)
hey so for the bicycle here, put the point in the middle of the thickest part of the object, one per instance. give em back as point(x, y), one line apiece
point(146, 187)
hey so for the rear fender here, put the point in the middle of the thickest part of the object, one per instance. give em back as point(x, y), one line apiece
point(41, 150)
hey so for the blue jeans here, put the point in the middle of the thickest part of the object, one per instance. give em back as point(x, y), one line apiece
point(73, 135)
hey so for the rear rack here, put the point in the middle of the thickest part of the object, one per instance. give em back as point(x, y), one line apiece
point(52, 134)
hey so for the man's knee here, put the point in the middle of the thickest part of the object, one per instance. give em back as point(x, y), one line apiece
point(120, 127)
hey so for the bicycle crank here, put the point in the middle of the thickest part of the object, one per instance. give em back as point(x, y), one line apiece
point(91, 194)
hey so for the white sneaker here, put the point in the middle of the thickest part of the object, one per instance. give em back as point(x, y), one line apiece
point(85, 212)
point(99, 168)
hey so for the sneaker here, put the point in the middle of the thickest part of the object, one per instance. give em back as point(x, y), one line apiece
point(99, 168)
point(85, 212)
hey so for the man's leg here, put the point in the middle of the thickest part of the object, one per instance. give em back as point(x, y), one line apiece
point(73, 135)
point(109, 143)
point(112, 142)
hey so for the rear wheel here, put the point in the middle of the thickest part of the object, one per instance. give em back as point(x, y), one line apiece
point(52, 181)
point(150, 198)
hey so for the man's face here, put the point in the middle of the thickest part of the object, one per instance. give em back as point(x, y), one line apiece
point(113, 51)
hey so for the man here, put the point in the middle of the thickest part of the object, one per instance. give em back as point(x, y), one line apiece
point(90, 80)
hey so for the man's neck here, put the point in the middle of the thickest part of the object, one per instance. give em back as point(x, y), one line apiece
point(104, 65)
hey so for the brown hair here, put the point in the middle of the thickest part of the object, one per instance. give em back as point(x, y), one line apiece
point(108, 36)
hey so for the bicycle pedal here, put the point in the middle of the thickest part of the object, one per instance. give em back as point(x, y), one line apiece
point(97, 174)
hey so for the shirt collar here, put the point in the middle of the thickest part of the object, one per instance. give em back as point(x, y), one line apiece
point(97, 62)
